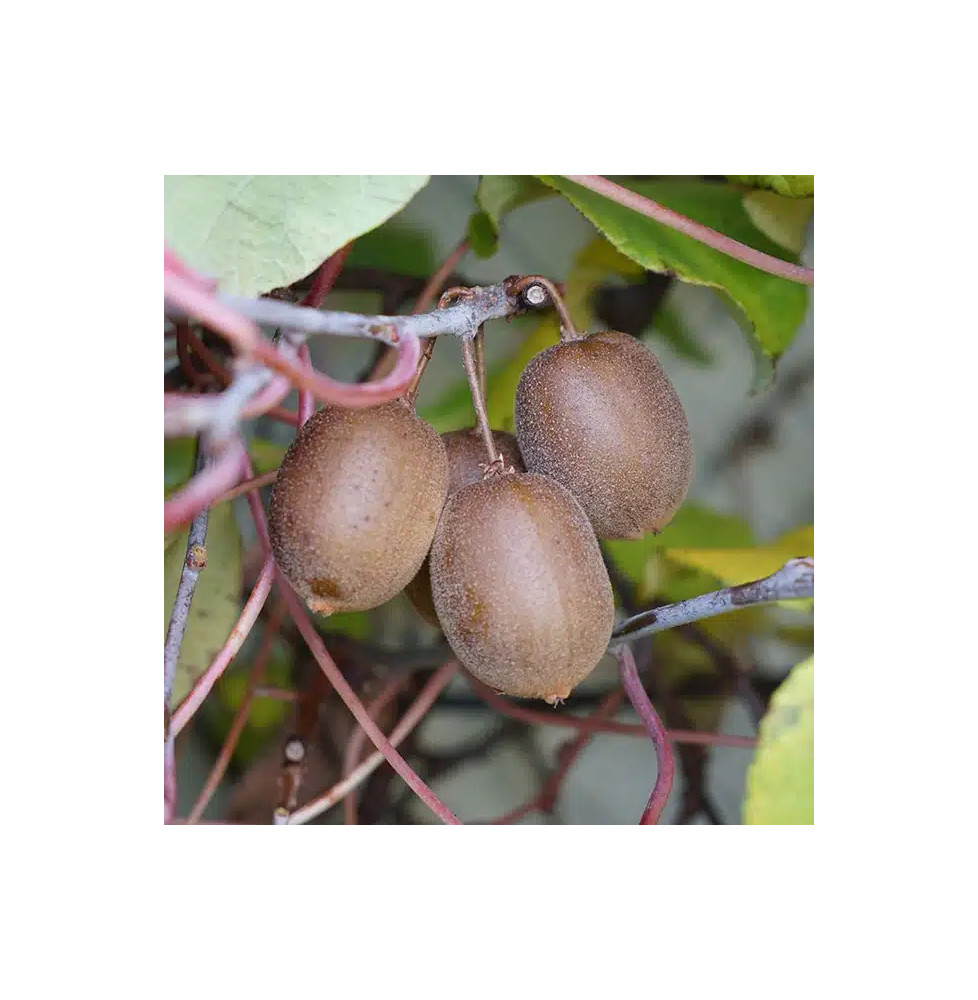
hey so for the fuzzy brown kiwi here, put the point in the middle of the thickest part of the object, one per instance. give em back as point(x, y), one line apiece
point(520, 587)
point(600, 416)
point(356, 503)
point(467, 461)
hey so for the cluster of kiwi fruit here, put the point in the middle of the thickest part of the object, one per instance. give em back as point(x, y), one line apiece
point(493, 537)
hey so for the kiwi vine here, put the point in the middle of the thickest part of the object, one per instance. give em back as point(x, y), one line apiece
point(497, 539)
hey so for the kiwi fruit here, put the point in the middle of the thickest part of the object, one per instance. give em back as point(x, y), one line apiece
point(355, 505)
point(599, 415)
point(520, 587)
point(467, 462)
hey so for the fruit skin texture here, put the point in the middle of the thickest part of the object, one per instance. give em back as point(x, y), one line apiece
point(466, 460)
point(601, 417)
point(520, 587)
point(356, 503)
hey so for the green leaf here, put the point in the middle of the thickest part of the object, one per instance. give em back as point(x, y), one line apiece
point(355, 624)
point(496, 196)
point(256, 233)
point(178, 462)
point(217, 599)
point(265, 715)
point(395, 247)
point(451, 411)
point(781, 780)
point(791, 185)
point(266, 456)
point(482, 235)
point(773, 306)
point(783, 219)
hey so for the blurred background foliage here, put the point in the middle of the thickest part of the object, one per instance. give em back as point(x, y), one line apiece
point(736, 343)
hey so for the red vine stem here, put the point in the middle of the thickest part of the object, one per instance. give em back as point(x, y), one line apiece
point(335, 676)
point(731, 247)
point(241, 716)
point(530, 715)
point(567, 754)
point(663, 751)
point(322, 285)
point(249, 613)
point(354, 746)
point(169, 781)
point(195, 300)
point(438, 681)
point(437, 281)
point(328, 390)
point(217, 478)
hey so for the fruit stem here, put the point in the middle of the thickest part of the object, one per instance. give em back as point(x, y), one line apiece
point(480, 358)
point(567, 329)
point(479, 400)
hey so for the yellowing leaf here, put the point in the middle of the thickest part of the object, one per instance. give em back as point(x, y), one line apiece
point(694, 525)
point(783, 219)
point(781, 779)
point(789, 185)
point(741, 565)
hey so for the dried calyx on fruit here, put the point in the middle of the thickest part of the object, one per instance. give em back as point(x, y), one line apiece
point(520, 587)
point(467, 464)
point(356, 503)
point(599, 415)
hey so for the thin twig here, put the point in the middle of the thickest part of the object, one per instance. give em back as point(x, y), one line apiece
point(553, 718)
point(295, 747)
point(795, 579)
point(193, 563)
point(438, 681)
point(480, 358)
point(663, 751)
point(546, 799)
point(485, 302)
point(241, 716)
point(335, 676)
point(732, 248)
point(358, 738)
point(249, 614)
point(252, 484)
point(266, 400)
